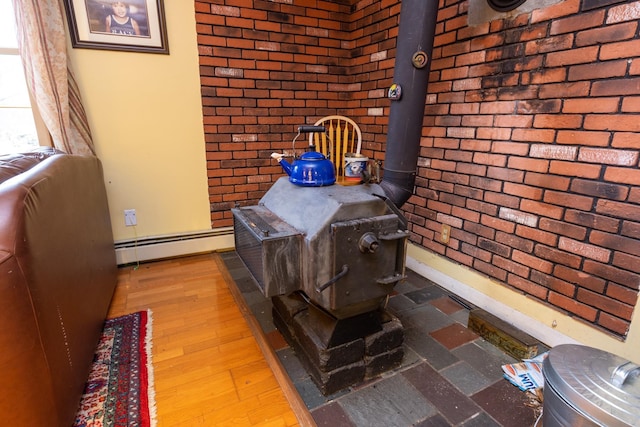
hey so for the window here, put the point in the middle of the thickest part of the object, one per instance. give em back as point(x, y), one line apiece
point(17, 125)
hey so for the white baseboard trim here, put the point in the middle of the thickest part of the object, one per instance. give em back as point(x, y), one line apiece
point(531, 326)
point(159, 247)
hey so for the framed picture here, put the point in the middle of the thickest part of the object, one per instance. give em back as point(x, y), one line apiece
point(131, 25)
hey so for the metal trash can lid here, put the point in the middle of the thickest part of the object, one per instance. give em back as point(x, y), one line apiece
point(600, 385)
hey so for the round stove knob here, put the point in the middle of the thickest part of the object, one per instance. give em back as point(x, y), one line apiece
point(368, 243)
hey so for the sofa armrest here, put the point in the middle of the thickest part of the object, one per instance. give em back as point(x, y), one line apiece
point(56, 226)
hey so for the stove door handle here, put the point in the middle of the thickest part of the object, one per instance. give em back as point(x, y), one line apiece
point(343, 272)
point(389, 280)
point(400, 234)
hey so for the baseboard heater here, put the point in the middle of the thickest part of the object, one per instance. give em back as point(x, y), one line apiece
point(159, 247)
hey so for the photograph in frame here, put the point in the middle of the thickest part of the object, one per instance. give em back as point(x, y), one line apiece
point(132, 25)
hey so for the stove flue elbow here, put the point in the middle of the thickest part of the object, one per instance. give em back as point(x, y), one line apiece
point(398, 188)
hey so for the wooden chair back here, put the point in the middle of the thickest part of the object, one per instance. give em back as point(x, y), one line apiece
point(343, 136)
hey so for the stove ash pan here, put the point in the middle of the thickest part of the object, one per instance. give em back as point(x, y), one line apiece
point(343, 246)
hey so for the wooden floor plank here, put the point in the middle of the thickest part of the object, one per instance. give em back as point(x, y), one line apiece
point(209, 367)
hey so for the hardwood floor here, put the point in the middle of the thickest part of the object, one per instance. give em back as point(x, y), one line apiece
point(210, 369)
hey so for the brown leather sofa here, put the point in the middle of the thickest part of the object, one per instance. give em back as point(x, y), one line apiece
point(57, 276)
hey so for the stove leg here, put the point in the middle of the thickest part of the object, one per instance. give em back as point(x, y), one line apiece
point(339, 353)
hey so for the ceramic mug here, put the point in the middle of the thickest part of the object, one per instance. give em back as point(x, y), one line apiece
point(354, 164)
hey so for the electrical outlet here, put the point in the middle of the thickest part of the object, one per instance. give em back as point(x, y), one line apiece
point(130, 217)
point(445, 233)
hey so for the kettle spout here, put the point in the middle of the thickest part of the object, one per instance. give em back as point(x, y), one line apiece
point(286, 166)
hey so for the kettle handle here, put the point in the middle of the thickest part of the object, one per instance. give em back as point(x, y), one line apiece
point(304, 129)
point(312, 129)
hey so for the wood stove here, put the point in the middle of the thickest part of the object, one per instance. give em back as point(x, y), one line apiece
point(330, 256)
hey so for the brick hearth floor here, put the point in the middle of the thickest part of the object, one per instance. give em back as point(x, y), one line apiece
point(449, 376)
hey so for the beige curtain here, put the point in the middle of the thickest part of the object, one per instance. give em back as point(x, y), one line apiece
point(43, 48)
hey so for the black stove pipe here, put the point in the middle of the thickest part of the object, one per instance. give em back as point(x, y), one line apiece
point(413, 61)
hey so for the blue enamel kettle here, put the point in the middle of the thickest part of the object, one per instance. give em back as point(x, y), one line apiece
point(311, 168)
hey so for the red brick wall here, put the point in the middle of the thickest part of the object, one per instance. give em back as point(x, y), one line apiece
point(267, 67)
point(531, 150)
point(530, 146)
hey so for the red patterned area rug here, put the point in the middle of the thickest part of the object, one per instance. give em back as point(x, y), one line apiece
point(119, 392)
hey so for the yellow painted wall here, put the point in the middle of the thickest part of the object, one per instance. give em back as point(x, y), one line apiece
point(145, 114)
